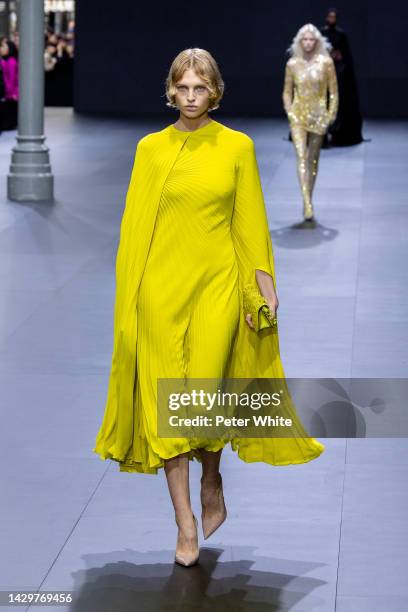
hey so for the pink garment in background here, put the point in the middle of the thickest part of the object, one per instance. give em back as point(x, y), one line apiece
point(9, 67)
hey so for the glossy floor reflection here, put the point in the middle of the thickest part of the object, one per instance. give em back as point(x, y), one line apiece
point(328, 535)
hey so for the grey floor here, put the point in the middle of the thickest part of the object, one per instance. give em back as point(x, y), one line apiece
point(328, 535)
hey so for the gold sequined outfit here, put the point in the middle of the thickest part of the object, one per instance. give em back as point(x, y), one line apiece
point(308, 85)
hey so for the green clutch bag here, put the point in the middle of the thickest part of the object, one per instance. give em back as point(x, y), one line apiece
point(256, 305)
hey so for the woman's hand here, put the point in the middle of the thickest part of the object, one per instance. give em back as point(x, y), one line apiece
point(273, 305)
point(267, 289)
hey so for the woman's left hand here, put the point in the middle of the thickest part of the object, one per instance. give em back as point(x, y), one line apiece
point(273, 304)
point(267, 289)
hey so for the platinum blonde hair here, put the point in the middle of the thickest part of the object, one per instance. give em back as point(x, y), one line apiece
point(203, 63)
point(322, 44)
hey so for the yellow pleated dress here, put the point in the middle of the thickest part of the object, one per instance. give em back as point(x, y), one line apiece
point(207, 237)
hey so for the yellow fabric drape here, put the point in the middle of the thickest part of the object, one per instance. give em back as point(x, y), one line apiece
point(253, 355)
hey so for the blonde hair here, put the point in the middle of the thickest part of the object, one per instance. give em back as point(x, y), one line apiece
point(203, 63)
point(322, 44)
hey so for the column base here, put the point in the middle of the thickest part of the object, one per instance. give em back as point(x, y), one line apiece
point(30, 188)
point(30, 178)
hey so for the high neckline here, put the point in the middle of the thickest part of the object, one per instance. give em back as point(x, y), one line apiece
point(200, 129)
point(315, 57)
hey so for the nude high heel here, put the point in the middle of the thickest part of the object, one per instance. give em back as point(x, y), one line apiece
point(187, 559)
point(211, 521)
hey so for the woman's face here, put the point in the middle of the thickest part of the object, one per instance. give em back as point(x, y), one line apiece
point(192, 95)
point(331, 18)
point(308, 42)
point(4, 48)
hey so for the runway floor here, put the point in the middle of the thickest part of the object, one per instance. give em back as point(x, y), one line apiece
point(327, 535)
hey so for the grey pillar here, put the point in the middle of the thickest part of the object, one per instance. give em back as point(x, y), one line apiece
point(30, 177)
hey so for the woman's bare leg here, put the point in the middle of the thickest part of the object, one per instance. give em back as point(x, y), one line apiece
point(212, 499)
point(177, 474)
point(211, 464)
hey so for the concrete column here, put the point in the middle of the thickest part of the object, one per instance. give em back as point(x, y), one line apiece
point(30, 177)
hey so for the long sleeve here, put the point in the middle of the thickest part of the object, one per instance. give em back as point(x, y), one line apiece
point(287, 94)
point(249, 223)
point(15, 79)
point(10, 75)
point(333, 90)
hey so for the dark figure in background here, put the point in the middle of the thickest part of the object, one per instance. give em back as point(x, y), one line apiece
point(59, 65)
point(346, 130)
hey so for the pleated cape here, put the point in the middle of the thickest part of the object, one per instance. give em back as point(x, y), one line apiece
point(254, 355)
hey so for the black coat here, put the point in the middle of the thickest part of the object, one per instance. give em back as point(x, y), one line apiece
point(346, 130)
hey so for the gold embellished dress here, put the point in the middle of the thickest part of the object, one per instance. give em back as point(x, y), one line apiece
point(310, 99)
point(308, 85)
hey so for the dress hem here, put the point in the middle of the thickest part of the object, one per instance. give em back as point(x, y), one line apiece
point(193, 453)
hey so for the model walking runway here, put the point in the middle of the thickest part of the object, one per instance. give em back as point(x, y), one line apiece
point(190, 321)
